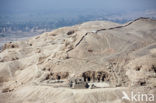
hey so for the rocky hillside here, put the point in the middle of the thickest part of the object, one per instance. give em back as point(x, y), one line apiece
point(93, 62)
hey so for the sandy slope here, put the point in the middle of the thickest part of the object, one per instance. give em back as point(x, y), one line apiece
point(120, 55)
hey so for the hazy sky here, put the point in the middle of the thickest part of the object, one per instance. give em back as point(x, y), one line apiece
point(110, 5)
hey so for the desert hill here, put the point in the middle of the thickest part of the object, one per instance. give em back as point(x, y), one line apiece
point(91, 62)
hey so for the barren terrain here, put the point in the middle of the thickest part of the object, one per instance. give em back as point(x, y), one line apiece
point(93, 62)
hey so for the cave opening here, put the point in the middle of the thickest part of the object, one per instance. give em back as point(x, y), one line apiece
point(154, 68)
point(98, 79)
point(58, 77)
point(88, 79)
point(142, 83)
point(12, 46)
point(103, 78)
point(84, 79)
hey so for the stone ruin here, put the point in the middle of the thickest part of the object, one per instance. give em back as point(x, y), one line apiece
point(88, 79)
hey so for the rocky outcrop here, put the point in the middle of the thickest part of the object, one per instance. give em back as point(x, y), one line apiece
point(9, 46)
